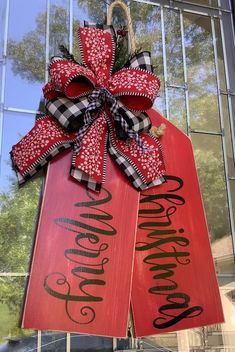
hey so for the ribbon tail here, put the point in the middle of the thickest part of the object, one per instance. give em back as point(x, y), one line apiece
point(88, 166)
point(43, 142)
point(97, 43)
point(144, 167)
point(137, 121)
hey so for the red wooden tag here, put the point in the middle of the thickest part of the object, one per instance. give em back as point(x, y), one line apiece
point(81, 270)
point(174, 281)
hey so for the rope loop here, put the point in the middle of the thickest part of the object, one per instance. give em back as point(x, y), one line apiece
point(126, 10)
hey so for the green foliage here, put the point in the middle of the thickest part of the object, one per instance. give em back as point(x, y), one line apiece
point(146, 21)
point(66, 54)
point(28, 55)
point(10, 319)
point(18, 209)
point(17, 221)
point(122, 55)
point(212, 183)
point(95, 9)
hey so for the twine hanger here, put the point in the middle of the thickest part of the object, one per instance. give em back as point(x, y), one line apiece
point(126, 10)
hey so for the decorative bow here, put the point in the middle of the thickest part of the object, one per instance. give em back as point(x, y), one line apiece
point(85, 105)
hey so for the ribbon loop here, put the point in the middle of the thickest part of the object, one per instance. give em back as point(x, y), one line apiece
point(69, 78)
point(98, 51)
point(141, 60)
point(69, 113)
point(44, 141)
point(136, 88)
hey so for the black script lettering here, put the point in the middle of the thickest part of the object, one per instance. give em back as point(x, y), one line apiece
point(179, 240)
point(93, 254)
point(101, 218)
point(61, 280)
point(89, 204)
point(162, 241)
point(153, 199)
point(173, 254)
point(189, 312)
point(177, 180)
point(110, 232)
point(92, 239)
point(169, 212)
point(67, 296)
point(164, 275)
point(88, 246)
point(91, 268)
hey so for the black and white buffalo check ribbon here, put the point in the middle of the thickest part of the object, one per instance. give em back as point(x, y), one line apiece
point(97, 101)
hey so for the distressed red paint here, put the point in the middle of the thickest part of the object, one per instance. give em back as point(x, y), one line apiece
point(81, 271)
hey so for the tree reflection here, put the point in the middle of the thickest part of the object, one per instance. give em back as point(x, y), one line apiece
point(28, 54)
point(17, 212)
point(18, 208)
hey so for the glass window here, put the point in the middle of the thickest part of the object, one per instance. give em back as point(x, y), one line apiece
point(232, 189)
point(18, 211)
point(161, 342)
point(173, 42)
point(58, 26)
point(206, 338)
point(26, 54)
point(11, 296)
point(225, 4)
point(204, 2)
point(2, 32)
point(92, 11)
point(210, 167)
point(2, 25)
point(228, 329)
point(0, 76)
point(228, 137)
point(22, 90)
point(146, 20)
point(15, 126)
point(18, 205)
point(220, 55)
point(177, 108)
point(203, 100)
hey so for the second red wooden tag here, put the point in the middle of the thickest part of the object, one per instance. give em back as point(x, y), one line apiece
point(174, 281)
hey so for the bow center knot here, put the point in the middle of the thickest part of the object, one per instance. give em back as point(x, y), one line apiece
point(101, 97)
